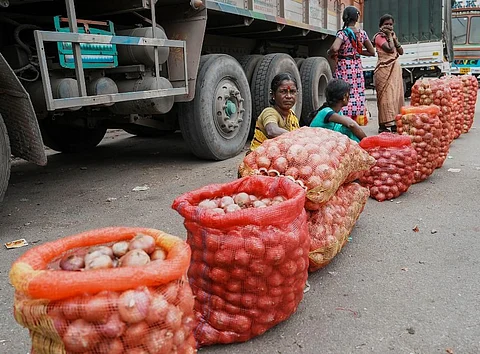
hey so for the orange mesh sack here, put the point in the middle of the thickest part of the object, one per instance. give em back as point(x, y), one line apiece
point(456, 86)
point(424, 128)
point(394, 170)
point(249, 265)
point(330, 226)
point(470, 91)
point(320, 158)
point(98, 306)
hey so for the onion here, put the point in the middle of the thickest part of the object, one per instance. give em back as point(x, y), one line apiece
point(72, 308)
point(218, 211)
point(173, 318)
point(133, 305)
point(242, 199)
point(232, 208)
point(134, 258)
point(72, 262)
point(114, 346)
point(226, 201)
point(135, 334)
point(80, 336)
point(93, 252)
point(142, 242)
point(97, 308)
point(208, 204)
point(158, 309)
point(101, 261)
point(259, 204)
point(159, 341)
point(113, 328)
point(158, 255)
point(120, 248)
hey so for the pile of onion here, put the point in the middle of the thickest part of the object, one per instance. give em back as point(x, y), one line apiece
point(137, 252)
point(143, 320)
point(239, 201)
point(456, 86)
point(438, 93)
point(330, 226)
point(320, 158)
point(470, 91)
point(394, 170)
point(424, 128)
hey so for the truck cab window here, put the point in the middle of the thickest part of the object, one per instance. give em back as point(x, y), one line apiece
point(474, 30)
point(459, 30)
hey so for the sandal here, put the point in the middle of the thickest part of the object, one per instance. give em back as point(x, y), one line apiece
point(383, 129)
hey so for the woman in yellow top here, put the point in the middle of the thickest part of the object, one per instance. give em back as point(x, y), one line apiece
point(280, 118)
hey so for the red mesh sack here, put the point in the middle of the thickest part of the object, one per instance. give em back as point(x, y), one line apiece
point(124, 309)
point(424, 128)
point(320, 158)
point(470, 91)
point(438, 92)
point(330, 226)
point(456, 86)
point(393, 172)
point(249, 267)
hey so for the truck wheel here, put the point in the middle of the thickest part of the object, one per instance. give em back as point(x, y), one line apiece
point(271, 65)
point(68, 138)
point(316, 74)
point(4, 158)
point(216, 123)
point(249, 63)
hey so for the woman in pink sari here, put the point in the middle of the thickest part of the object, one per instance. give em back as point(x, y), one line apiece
point(351, 42)
point(388, 75)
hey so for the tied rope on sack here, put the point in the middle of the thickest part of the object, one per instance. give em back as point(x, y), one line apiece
point(291, 123)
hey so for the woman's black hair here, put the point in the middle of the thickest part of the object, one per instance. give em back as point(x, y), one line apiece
point(277, 82)
point(350, 14)
point(334, 92)
point(384, 18)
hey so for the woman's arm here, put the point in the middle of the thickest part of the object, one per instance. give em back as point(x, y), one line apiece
point(273, 130)
point(397, 44)
point(348, 123)
point(333, 51)
point(370, 52)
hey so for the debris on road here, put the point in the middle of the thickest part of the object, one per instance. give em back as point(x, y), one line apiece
point(140, 189)
point(16, 244)
point(83, 168)
point(416, 229)
point(112, 199)
point(454, 170)
point(410, 330)
point(433, 231)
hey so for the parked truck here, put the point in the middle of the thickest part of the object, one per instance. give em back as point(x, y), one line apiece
point(424, 30)
point(69, 71)
point(466, 37)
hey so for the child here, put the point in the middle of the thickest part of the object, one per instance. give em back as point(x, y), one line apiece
point(329, 116)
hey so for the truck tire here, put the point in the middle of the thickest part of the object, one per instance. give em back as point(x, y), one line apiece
point(271, 65)
point(216, 123)
point(315, 73)
point(4, 158)
point(70, 139)
point(249, 63)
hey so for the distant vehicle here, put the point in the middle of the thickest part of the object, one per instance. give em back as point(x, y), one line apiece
point(426, 39)
point(466, 37)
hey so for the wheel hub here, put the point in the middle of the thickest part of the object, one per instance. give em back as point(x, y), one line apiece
point(228, 108)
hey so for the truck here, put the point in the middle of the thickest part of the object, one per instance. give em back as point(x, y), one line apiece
point(466, 37)
point(71, 70)
point(424, 28)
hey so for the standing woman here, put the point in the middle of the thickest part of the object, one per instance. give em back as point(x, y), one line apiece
point(388, 75)
point(350, 43)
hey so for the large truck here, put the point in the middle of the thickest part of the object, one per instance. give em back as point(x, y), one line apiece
point(69, 71)
point(424, 30)
point(466, 37)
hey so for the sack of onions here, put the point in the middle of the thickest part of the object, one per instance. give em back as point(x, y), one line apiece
point(393, 172)
point(114, 290)
point(424, 128)
point(331, 225)
point(438, 93)
point(470, 91)
point(456, 86)
point(320, 158)
point(250, 243)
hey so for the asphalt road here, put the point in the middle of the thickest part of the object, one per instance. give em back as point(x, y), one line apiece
point(391, 290)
